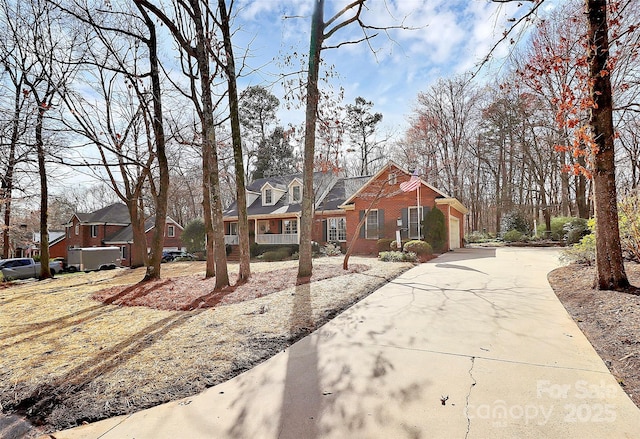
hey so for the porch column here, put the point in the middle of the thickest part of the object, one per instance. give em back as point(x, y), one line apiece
point(298, 228)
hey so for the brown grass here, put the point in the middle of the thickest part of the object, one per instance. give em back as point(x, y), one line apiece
point(67, 358)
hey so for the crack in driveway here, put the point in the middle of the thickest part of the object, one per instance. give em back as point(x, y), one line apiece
point(466, 409)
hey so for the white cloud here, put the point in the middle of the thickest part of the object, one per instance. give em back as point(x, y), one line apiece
point(448, 37)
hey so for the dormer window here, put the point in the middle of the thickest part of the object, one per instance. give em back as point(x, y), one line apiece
point(268, 196)
point(271, 194)
point(296, 194)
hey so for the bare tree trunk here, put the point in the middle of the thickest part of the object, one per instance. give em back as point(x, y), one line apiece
point(582, 198)
point(153, 268)
point(206, 202)
point(139, 247)
point(243, 224)
point(305, 264)
point(45, 272)
point(609, 263)
point(7, 180)
point(215, 229)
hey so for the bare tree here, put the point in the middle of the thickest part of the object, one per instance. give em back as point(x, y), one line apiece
point(192, 31)
point(47, 64)
point(13, 151)
point(228, 65)
point(321, 32)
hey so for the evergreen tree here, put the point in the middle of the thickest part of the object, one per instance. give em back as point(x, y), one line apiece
point(274, 156)
point(435, 230)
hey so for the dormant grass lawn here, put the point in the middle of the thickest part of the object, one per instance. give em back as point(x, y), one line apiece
point(68, 359)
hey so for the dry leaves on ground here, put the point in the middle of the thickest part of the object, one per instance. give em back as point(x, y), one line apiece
point(187, 293)
point(68, 359)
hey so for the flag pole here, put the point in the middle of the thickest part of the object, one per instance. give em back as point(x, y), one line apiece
point(419, 213)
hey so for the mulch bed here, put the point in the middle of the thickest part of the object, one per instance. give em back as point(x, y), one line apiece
point(187, 293)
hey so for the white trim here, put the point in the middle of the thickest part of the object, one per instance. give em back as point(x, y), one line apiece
point(344, 221)
point(292, 200)
point(366, 224)
point(379, 173)
point(420, 210)
point(453, 202)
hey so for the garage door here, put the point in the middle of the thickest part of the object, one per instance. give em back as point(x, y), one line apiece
point(454, 233)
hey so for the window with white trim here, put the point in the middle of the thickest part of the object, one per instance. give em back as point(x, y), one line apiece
point(233, 228)
point(336, 229)
point(268, 197)
point(77, 229)
point(296, 193)
point(171, 231)
point(371, 225)
point(393, 179)
point(94, 231)
point(415, 220)
point(290, 227)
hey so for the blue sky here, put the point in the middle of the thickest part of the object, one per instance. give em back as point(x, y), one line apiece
point(449, 37)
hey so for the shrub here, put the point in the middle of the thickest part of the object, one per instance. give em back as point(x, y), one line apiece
point(629, 222)
point(276, 255)
point(562, 227)
point(575, 229)
point(258, 249)
point(384, 244)
point(420, 248)
point(193, 236)
point(397, 256)
point(514, 221)
point(583, 252)
point(475, 236)
point(513, 236)
point(331, 249)
point(435, 229)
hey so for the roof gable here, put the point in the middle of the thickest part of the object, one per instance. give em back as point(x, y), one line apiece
point(117, 214)
point(390, 165)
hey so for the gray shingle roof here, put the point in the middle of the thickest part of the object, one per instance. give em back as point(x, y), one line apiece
point(114, 214)
point(331, 191)
point(126, 234)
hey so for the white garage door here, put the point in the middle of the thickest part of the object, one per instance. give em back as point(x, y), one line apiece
point(454, 233)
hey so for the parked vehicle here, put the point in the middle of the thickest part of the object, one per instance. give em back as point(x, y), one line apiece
point(182, 256)
point(93, 258)
point(25, 268)
point(166, 257)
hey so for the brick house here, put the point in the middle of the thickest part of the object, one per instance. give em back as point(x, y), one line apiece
point(111, 226)
point(124, 238)
point(274, 210)
point(392, 210)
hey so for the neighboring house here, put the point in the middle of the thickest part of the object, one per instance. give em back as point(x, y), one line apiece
point(57, 248)
point(124, 238)
point(111, 226)
point(274, 210)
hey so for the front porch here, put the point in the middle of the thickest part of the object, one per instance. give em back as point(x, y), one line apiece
point(272, 231)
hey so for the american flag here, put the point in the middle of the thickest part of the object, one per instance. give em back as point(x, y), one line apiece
point(412, 184)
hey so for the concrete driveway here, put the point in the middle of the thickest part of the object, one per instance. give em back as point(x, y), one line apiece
point(473, 344)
